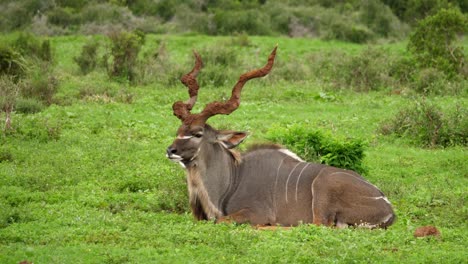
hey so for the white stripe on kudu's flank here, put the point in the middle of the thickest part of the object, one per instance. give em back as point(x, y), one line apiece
point(383, 198)
point(287, 181)
point(290, 154)
point(276, 183)
point(297, 182)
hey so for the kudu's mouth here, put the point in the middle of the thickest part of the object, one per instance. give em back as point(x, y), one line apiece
point(184, 162)
point(177, 159)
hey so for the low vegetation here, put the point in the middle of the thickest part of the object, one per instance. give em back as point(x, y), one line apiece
point(84, 177)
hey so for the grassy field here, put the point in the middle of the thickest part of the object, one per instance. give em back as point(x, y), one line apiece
point(87, 180)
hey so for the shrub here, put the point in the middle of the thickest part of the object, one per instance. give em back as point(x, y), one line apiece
point(5, 155)
point(402, 70)
point(429, 81)
point(340, 30)
point(314, 145)
point(433, 42)
point(35, 128)
point(11, 62)
point(380, 19)
point(8, 94)
point(290, 70)
point(41, 85)
point(64, 17)
point(28, 105)
point(427, 125)
point(124, 53)
point(252, 22)
point(159, 67)
point(30, 46)
point(219, 63)
point(88, 60)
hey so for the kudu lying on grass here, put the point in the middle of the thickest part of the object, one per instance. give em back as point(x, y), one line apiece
point(269, 185)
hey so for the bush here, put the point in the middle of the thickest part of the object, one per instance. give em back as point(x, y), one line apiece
point(380, 19)
point(316, 146)
point(159, 67)
point(41, 85)
point(8, 95)
point(28, 105)
point(426, 125)
point(42, 130)
point(429, 81)
point(30, 46)
point(433, 42)
point(5, 155)
point(105, 94)
point(11, 62)
point(88, 60)
point(64, 17)
point(252, 22)
point(367, 71)
point(340, 30)
point(219, 64)
point(124, 53)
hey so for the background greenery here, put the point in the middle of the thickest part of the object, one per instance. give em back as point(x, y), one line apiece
point(83, 173)
point(355, 20)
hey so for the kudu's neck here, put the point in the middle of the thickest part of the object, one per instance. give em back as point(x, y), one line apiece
point(211, 176)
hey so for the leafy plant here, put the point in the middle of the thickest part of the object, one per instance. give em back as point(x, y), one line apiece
point(427, 125)
point(41, 85)
point(29, 105)
point(8, 94)
point(314, 145)
point(434, 41)
point(29, 45)
point(11, 62)
point(124, 53)
point(88, 59)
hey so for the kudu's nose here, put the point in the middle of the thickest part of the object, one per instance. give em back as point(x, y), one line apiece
point(170, 151)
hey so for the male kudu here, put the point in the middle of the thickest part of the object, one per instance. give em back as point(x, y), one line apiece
point(269, 185)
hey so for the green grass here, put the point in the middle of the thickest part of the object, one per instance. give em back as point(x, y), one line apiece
point(88, 182)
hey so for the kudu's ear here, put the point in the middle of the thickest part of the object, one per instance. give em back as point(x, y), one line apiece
point(230, 139)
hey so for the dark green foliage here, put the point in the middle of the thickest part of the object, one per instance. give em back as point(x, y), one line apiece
point(41, 85)
point(159, 67)
point(220, 61)
point(434, 42)
point(124, 53)
point(11, 62)
point(430, 81)
point(379, 18)
point(88, 59)
point(316, 146)
point(9, 90)
point(5, 156)
point(42, 130)
point(244, 21)
point(427, 125)
point(368, 70)
point(63, 16)
point(28, 105)
point(29, 45)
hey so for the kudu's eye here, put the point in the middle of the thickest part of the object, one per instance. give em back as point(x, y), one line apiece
point(198, 135)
